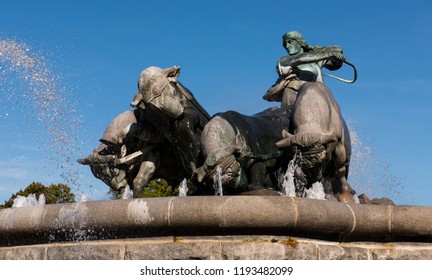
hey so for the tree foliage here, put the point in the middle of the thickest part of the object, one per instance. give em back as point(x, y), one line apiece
point(159, 188)
point(54, 193)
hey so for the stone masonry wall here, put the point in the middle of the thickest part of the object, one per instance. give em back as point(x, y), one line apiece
point(218, 248)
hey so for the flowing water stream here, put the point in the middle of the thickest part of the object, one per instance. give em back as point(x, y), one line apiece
point(37, 113)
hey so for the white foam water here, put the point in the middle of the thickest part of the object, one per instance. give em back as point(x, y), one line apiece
point(316, 191)
point(288, 185)
point(217, 182)
point(371, 175)
point(127, 193)
point(84, 198)
point(30, 200)
point(183, 188)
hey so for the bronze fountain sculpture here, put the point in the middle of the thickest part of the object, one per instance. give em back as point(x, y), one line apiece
point(170, 135)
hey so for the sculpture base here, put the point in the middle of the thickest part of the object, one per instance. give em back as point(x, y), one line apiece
point(218, 248)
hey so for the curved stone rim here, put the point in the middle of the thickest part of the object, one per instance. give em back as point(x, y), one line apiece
point(212, 215)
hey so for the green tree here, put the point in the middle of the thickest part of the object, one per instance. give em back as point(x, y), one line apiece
point(59, 193)
point(158, 188)
point(55, 193)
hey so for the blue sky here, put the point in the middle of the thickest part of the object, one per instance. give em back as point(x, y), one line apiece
point(227, 51)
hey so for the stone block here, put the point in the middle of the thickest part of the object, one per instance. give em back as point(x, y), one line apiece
point(402, 252)
point(340, 252)
point(257, 250)
point(23, 253)
point(299, 250)
point(175, 250)
point(86, 251)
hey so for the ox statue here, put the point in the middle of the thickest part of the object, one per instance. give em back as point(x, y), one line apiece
point(244, 149)
point(319, 136)
point(173, 110)
point(159, 139)
point(317, 140)
point(131, 153)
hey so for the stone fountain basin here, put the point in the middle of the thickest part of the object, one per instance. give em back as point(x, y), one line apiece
point(208, 227)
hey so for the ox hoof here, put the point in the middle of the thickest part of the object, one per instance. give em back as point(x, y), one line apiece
point(346, 198)
point(200, 173)
point(363, 199)
point(382, 201)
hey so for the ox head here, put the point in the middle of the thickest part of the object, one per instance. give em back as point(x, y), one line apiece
point(118, 136)
point(103, 167)
point(158, 88)
point(312, 153)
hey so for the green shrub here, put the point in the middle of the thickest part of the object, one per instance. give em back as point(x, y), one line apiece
point(55, 193)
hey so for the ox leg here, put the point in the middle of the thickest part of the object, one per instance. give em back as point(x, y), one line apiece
point(223, 157)
point(257, 173)
point(346, 193)
point(258, 176)
point(146, 171)
point(119, 180)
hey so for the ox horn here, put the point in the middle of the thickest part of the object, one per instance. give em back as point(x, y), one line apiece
point(327, 139)
point(171, 72)
point(286, 134)
point(286, 141)
point(84, 161)
point(305, 139)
